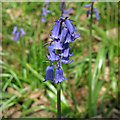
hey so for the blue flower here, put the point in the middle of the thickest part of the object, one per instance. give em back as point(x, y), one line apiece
point(22, 31)
point(55, 30)
point(66, 60)
point(17, 37)
point(52, 56)
point(66, 51)
point(57, 45)
point(17, 33)
point(14, 30)
point(59, 75)
point(96, 13)
point(89, 11)
point(70, 26)
point(49, 73)
point(88, 5)
point(45, 11)
point(63, 34)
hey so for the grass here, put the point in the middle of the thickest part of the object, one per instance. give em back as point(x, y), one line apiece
point(23, 70)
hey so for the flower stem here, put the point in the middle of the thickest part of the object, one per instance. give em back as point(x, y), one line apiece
point(90, 65)
point(58, 100)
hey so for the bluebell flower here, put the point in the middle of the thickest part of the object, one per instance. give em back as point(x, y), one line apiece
point(68, 38)
point(88, 5)
point(52, 56)
point(22, 31)
point(43, 18)
point(17, 37)
point(15, 29)
point(49, 73)
point(17, 33)
point(55, 30)
point(70, 26)
point(63, 34)
point(96, 13)
point(66, 51)
point(66, 60)
point(89, 11)
point(57, 45)
point(45, 11)
point(59, 75)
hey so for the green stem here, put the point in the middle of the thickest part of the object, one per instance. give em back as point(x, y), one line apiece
point(90, 64)
point(23, 56)
point(58, 101)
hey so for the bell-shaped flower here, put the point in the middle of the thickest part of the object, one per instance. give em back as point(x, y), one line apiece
point(63, 34)
point(59, 75)
point(68, 11)
point(49, 73)
point(75, 36)
point(62, 6)
point(70, 26)
point(66, 60)
point(57, 45)
point(96, 13)
point(88, 13)
point(55, 30)
point(14, 30)
point(52, 56)
point(68, 38)
point(44, 11)
point(88, 5)
point(17, 37)
point(22, 31)
point(43, 18)
point(66, 51)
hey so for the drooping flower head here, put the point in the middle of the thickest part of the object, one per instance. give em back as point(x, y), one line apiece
point(59, 75)
point(89, 11)
point(63, 33)
point(49, 73)
point(17, 33)
point(45, 11)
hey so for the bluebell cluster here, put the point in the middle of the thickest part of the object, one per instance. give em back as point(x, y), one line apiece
point(45, 11)
point(63, 33)
point(65, 13)
point(17, 33)
point(89, 11)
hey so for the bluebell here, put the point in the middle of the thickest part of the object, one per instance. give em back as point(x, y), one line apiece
point(59, 75)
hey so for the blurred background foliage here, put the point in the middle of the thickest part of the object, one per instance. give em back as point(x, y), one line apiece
point(23, 92)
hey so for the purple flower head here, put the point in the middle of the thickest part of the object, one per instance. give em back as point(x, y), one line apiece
point(70, 26)
point(88, 13)
point(17, 37)
point(88, 5)
point(66, 60)
point(55, 30)
point(44, 11)
point(43, 18)
point(59, 75)
point(57, 45)
point(75, 36)
point(68, 11)
point(14, 30)
point(52, 56)
point(66, 51)
point(62, 6)
point(49, 73)
point(68, 38)
point(22, 31)
point(96, 13)
point(63, 34)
